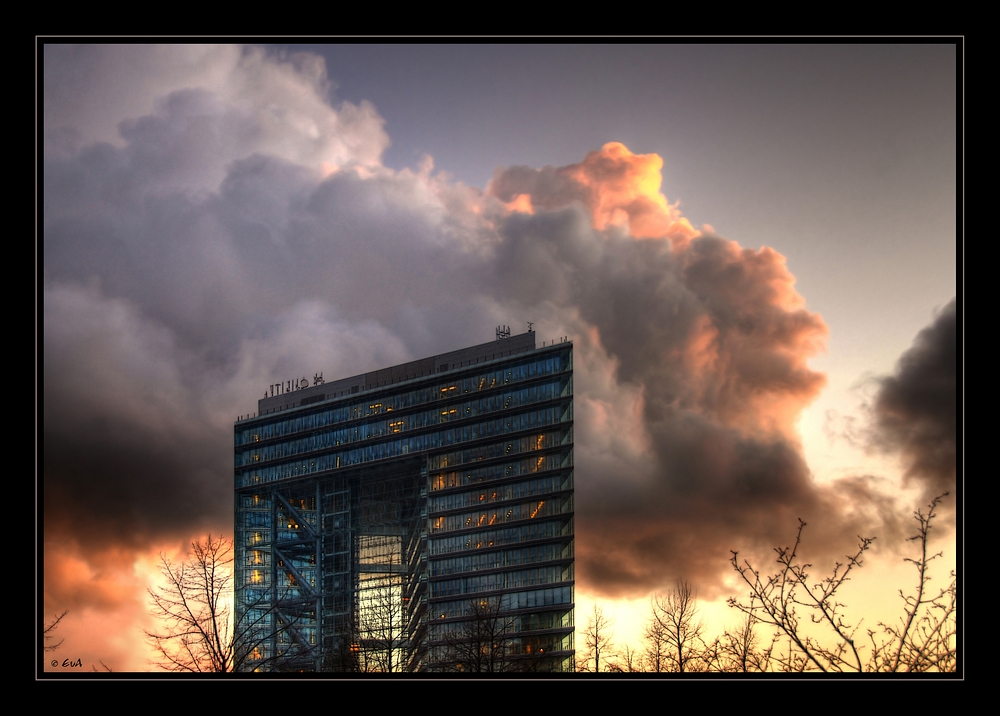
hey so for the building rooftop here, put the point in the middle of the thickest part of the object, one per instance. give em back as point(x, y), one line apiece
point(297, 392)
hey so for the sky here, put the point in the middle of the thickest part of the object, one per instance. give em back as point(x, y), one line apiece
point(752, 246)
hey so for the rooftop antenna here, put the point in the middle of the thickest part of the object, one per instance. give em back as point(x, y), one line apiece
point(503, 332)
point(530, 329)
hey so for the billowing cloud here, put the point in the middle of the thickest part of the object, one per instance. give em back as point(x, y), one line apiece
point(214, 223)
point(915, 409)
point(186, 111)
point(707, 345)
point(617, 187)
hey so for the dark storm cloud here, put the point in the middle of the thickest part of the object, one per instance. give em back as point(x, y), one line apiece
point(916, 408)
point(141, 360)
point(128, 453)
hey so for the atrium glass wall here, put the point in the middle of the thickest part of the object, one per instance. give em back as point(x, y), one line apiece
point(421, 525)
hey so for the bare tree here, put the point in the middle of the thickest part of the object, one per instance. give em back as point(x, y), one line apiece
point(654, 656)
point(599, 642)
point(739, 650)
point(483, 641)
point(680, 628)
point(48, 630)
point(923, 641)
point(628, 661)
point(382, 629)
point(194, 607)
point(925, 638)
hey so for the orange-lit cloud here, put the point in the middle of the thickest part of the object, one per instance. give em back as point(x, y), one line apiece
point(749, 361)
point(738, 335)
point(709, 343)
point(521, 203)
point(104, 595)
point(618, 188)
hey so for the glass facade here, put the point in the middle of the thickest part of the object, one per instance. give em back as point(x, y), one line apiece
point(419, 518)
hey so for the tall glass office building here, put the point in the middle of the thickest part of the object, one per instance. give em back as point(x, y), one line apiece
point(415, 518)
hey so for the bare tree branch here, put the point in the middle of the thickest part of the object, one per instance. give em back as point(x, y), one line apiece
point(923, 641)
point(49, 628)
point(194, 608)
point(198, 631)
point(482, 642)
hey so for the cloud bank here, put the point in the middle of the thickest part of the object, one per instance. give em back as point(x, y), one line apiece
point(214, 221)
